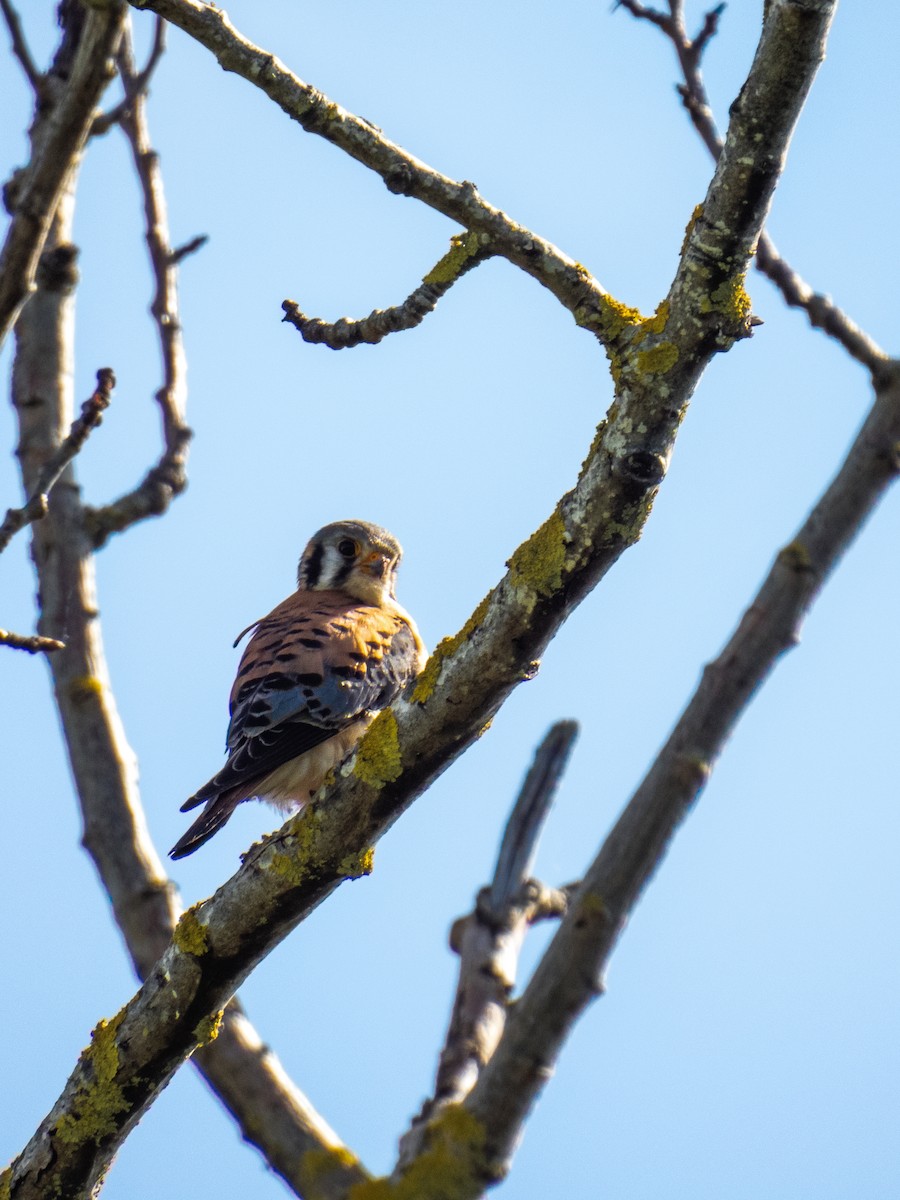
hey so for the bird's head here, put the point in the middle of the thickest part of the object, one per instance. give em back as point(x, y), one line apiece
point(353, 557)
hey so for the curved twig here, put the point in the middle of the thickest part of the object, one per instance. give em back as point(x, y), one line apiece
point(466, 252)
point(820, 309)
point(91, 415)
point(167, 478)
point(134, 83)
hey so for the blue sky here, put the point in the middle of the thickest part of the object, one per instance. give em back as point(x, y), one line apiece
point(747, 1044)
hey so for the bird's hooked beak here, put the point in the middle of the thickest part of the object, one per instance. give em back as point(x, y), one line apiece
point(376, 564)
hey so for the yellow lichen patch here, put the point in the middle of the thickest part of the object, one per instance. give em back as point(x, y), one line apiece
point(463, 246)
point(451, 1166)
point(730, 299)
point(355, 866)
point(96, 1106)
point(5, 1183)
point(592, 905)
point(654, 324)
point(190, 934)
point(447, 647)
point(293, 864)
point(796, 556)
point(85, 687)
point(695, 217)
point(207, 1030)
point(539, 563)
point(378, 759)
point(658, 359)
point(317, 1167)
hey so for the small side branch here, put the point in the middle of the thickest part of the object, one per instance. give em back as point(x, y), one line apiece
point(20, 46)
point(820, 309)
point(91, 415)
point(489, 940)
point(134, 85)
point(466, 251)
point(31, 644)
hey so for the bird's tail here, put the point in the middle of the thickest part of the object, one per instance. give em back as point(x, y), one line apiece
point(218, 809)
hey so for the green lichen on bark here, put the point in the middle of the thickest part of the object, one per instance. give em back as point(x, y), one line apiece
point(463, 246)
point(378, 758)
point(97, 1105)
point(539, 563)
point(446, 648)
point(451, 1167)
point(190, 934)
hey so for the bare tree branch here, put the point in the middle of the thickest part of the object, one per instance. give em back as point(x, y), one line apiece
point(168, 478)
point(489, 940)
point(134, 83)
point(218, 943)
point(91, 415)
point(465, 253)
point(821, 310)
point(32, 197)
point(33, 644)
point(571, 972)
point(20, 46)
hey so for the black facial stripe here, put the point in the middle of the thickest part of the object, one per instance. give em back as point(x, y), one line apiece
point(342, 572)
point(311, 568)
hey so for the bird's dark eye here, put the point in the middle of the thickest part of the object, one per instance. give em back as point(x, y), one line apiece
point(347, 548)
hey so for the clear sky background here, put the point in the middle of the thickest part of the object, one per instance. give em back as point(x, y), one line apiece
point(748, 1043)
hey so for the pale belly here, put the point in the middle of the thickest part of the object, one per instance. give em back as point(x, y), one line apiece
point(294, 783)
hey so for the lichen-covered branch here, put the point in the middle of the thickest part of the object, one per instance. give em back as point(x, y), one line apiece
point(270, 1111)
point(91, 415)
point(656, 364)
point(820, 309)
point(167, 478)
point(72, 89)
point(489, 939)
point(466, 252)
point(571, 972)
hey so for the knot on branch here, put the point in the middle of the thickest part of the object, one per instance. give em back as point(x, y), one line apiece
point(57, 269)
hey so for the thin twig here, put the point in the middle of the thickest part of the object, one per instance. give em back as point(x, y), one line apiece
point(820, 309)
point(91, 416)
point(465, 253)
point(20, 46)
point(32, 644)
point(134, 85)
point(489, 939)
point(168, 477)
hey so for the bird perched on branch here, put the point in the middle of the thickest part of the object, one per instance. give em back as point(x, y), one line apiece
point(314, 674)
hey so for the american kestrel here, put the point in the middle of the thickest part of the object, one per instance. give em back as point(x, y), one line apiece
point(314, 674)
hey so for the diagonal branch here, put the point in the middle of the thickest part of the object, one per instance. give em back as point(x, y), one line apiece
point(489, 940)
point(571, 972)
point(33, 195)
point(167, 478)
point(20, 46)
point(465, 253)
point(218, 943)
point(820, 309)
point(91, 415)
